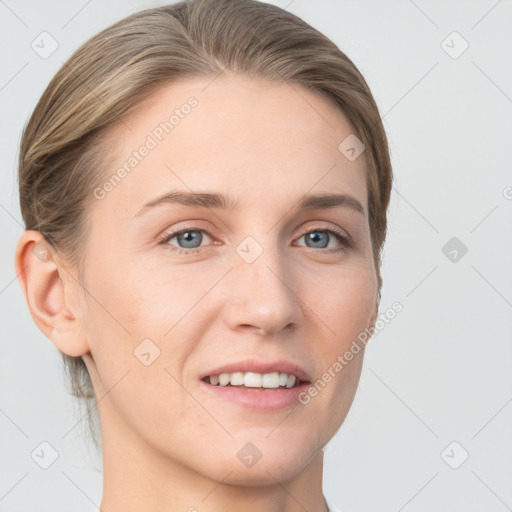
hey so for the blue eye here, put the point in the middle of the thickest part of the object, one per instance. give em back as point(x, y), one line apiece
point(318, 239)
point(321, 238)
point(187, 239)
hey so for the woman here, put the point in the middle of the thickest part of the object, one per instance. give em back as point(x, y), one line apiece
point(204, 188)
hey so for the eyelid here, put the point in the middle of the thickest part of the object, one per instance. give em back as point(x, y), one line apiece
point(335, 229)
point(168, 234)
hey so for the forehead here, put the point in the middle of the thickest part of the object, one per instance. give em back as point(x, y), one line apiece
point(246, 135)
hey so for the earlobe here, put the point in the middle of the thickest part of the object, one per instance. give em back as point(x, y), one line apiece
point(42, 280)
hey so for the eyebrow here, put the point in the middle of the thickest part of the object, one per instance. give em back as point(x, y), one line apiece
point(219, 201)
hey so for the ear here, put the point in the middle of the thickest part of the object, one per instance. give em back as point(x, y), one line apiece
point(49, 290)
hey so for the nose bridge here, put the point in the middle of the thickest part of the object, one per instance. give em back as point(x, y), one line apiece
point(262, 294)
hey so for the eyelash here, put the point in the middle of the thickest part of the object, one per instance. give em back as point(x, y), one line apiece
point(344, 239)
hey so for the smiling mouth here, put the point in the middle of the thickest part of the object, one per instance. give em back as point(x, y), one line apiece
point(255, 381)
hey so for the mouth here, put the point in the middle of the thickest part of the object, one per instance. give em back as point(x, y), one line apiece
point(256, 385)
point(255, 381)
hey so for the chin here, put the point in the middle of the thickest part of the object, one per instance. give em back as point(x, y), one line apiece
point(259, 463)
point(261, 474)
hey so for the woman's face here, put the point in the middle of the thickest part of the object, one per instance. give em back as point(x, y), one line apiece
point(249, 278)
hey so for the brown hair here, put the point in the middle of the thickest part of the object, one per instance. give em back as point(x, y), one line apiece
point(62, 154)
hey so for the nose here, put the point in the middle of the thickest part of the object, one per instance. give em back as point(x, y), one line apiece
point(262, 294)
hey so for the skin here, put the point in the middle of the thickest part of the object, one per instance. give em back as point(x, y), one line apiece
point(167, 444)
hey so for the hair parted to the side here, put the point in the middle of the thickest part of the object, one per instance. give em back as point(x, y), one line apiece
point(63, 149)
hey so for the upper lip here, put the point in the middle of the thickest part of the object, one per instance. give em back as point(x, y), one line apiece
point(251, 365)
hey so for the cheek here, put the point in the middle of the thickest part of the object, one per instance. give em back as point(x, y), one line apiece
point(344, 301)
point(146, 299)
point(136, 364)
point(346, 308)
point(136, 309)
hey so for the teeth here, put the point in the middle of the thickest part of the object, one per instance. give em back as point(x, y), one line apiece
point(237, 379)
point(224, 379)
point(252, 380)
point(272, 380)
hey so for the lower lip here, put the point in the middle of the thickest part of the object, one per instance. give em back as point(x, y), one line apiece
point(258, 398)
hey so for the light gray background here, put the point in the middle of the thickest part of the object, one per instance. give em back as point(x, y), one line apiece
point(440, 371)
